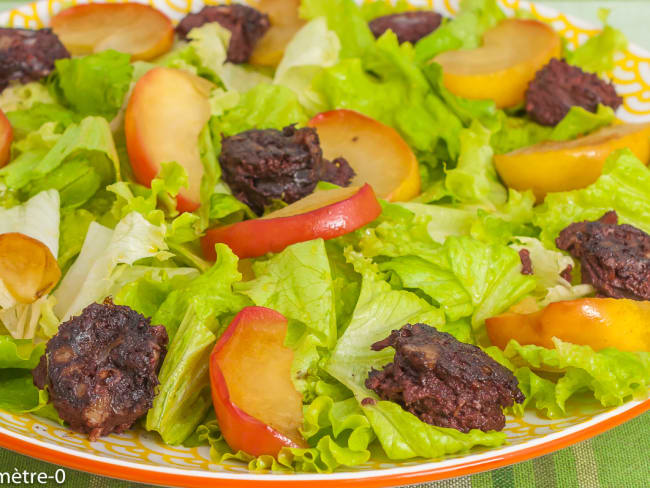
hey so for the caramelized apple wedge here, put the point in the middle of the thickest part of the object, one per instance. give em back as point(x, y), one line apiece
point(596, 322)
point(163, 120)
point(500, 70)
point(562, 166)
point(6, 136)
point(132, 28)
point(376, 152)
point(285, 22)
point(258, 408)
point(323, 214)
point(28, 269)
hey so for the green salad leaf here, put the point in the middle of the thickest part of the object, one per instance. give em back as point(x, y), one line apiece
point(598, 52)
point(19, 353)
point(614, 376)
point(464, 31)
point(298, 283)
point(194, 313)
point(95, 84)
point(623, 187)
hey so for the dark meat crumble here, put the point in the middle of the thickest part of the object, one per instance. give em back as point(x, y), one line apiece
point(101, 368)
point(28, 55)
point(246, 24)
point(407, 26)
point(615, 258)
point(526, 263)
point(262, 165)
point(558, 86)
point(444, 382)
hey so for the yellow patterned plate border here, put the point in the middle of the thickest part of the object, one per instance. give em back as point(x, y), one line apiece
point(141, 456)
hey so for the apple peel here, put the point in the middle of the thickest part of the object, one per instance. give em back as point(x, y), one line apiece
point(323, 214)
point(250, 369)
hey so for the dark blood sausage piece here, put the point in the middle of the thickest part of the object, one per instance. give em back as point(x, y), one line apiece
point(101, 368)
point(526, 263)
point(262, 165)
point(407, 26)
point(246, 24)
point(559, 86)
point(444, 382)
point(614, 258)
point(28, 55)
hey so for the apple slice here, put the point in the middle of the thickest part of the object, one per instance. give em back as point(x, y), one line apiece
point(132, 28)
point(596, 322)
point(323, 214)
point(500, 70)
point(6, 136)
point(376, 152)
point(562, 166)
point(28, 270)
point(285, 22)
point(163, 120)
point(258, 408)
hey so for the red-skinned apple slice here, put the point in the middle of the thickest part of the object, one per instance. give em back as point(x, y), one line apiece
point(376, 152)
point(132, 28)
point(6, 136)
point(163, 120)
point(258, 408)
point(323, 214)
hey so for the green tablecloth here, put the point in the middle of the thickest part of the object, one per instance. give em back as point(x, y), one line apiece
point(618, 458)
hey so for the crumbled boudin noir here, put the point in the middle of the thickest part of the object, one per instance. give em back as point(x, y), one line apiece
point(444, 382)
point(526, 263)
point(407, 26)
point(614, 258)
point(263, 165)
point(246, 24)
point(558, 86)
point(101, 368)
point(28, 55)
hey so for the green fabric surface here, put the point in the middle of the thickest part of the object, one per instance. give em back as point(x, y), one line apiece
point(618, 458)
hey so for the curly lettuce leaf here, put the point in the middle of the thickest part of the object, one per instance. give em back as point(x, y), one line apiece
point(263, 107)
point(19, 395)
point(19, 353)
point(623, 187)
point(298, 283)
point(464, 31)
point(474, 179)
point(95, 84)
point(613, 376)
point(338, 432)
point(491, 274)
point(86, 147)
point(31, 119)
point(194, 314)
point(90, 278)
point(344, 17)
point(434, 281)
point(311, 49)
point(597, 54)
point(18, 96)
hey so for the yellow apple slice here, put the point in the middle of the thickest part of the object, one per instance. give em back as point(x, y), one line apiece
point(561, 166)
point(285, 22)
point(132, 28)
point(163, 120)
point(27, 267)
point(501, 69)
point(376, 152)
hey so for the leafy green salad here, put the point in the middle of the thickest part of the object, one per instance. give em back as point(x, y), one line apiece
point(449, 257)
